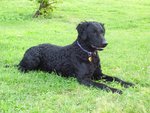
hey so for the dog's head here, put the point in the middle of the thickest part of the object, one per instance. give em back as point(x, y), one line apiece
point(92, 33)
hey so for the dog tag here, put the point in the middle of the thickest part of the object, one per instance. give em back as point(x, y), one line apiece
point(90, 59)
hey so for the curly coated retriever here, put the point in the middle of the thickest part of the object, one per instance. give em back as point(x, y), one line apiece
point(79, 59)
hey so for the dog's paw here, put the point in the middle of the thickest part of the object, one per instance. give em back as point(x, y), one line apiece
point(128, 84)
point(116, 91)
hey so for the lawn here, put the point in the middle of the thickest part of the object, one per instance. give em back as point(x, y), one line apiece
point(127, 56)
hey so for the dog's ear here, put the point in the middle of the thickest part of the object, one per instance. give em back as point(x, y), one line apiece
point(81, 28)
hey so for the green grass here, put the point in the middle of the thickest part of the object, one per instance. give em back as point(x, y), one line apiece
point(127, 56)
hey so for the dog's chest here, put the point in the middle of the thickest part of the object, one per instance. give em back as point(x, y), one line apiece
point(90, 60)
point(93, 61)
point(91, 65)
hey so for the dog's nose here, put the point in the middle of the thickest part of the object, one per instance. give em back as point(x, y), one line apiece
point(104, 44)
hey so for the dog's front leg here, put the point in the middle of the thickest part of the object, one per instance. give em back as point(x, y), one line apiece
point(99, 75)
point(123, 83)
point(84, 77)
point(89, 82)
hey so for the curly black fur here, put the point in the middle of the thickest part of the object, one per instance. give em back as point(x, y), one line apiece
point(73, 60)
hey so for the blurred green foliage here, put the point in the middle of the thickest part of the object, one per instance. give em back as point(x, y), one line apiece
point(46, 7)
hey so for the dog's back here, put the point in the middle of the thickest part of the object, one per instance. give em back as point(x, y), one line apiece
point(47, 57)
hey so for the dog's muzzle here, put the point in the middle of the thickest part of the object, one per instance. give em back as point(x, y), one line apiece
point(101, 47)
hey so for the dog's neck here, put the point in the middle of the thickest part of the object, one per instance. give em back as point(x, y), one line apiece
point(85, 46)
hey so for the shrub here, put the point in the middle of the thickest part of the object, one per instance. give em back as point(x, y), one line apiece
point(46, 7)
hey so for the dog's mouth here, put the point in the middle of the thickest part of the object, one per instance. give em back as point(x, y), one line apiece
point(97, 48)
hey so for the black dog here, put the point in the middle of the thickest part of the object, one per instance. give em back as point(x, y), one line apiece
point(79, 59)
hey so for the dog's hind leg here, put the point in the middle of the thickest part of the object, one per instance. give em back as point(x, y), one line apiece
point(31, 60)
